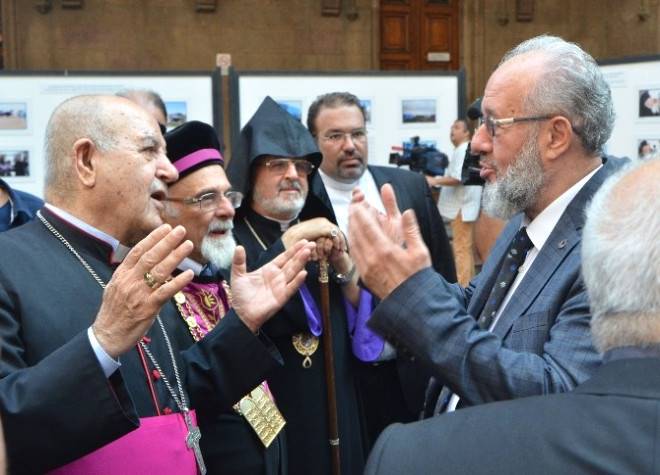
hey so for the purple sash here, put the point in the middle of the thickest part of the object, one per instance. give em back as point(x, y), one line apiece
point(158, 446)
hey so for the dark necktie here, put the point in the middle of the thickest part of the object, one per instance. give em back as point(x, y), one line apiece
point(514, 258)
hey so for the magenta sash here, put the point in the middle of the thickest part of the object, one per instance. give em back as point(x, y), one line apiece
point(158, 446)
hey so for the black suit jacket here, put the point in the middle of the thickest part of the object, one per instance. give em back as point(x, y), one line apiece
point(608, 424)
point(412, 192)
point(56, 403)
point(394, 391)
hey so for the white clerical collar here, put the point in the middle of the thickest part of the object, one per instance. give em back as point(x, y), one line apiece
point(539, 228)
point(191, 264)
point(330, 182)
point(284, 223)
point(119, 251)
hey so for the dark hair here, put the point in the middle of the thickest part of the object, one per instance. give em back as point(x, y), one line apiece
point(331, 100)
point(150, 96)
point(642, 144)
point(466, 126)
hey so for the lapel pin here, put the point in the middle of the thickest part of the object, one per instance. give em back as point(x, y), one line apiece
point(562, 244)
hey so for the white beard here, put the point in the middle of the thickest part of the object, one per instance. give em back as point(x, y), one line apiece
point(279, 206)
point(219, 251)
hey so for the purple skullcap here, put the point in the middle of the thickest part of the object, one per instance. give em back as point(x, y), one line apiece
point(193, 145)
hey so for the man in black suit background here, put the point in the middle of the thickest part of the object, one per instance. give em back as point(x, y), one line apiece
point(608, 424)
point(393, 387)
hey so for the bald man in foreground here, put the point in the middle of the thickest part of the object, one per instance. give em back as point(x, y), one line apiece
point(98, 372)
point(608, 424)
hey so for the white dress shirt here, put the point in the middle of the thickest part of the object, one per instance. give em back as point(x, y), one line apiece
point(340, 195)
point(466, 199)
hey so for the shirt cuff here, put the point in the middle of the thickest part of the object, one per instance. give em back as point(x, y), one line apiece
point(108, 364)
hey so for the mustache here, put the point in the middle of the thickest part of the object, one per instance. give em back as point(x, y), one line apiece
point(221, 225)
point(157, 187)
point(288, 183)
point(353, 155)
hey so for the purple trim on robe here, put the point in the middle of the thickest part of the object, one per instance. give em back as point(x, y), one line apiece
point(196, 158)
point(157, 446)
point(312, 311)
point(367, 345)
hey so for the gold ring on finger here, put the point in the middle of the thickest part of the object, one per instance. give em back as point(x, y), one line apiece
point(149, 280)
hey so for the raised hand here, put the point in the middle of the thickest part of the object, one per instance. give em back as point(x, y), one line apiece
point(375, 241)
point(140, 287)
point(258, 295)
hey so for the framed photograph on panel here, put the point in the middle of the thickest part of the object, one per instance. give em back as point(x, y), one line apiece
point(13, 116)
point(635, 86)
point(438, 100)
point(648, 148)
point(25, 112)
point(418, 111)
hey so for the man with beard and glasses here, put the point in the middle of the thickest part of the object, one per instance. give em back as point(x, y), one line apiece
point(98, 371)
point(392, 386)
point(608, 423)
point(521, 327)
point(275, 159)
point(202, 201)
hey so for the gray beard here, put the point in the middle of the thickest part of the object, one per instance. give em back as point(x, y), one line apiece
point(520, 186)
point(281, 207)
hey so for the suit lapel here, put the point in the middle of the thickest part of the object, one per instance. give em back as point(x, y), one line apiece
point(318, 189)
point(564, 238)
point(381, 177)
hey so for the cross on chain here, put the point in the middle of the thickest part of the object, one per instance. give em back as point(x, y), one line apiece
point(192, 441)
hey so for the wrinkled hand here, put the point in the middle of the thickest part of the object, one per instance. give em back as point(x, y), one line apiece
point(310, 230)
point(257, 295)
point(376, 244)
point(129, 305)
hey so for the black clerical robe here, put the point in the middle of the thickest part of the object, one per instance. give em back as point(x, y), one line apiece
point(57, 405)
point(230, 445)
point(300, 392)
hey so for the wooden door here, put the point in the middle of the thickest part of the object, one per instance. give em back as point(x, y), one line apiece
point(419, 34)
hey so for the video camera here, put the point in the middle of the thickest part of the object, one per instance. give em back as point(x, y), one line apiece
point(420, 158)
point(470, 172)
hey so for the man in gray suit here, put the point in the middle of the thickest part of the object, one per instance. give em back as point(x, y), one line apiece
point(521, 327)
point(608, 424)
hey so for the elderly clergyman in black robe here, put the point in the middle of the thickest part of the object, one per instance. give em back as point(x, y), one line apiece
point(98, 372)
point(273, 162)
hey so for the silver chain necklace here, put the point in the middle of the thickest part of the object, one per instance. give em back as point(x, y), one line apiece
point(194, 434)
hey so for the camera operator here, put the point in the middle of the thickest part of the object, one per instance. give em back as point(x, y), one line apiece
point(459, 203)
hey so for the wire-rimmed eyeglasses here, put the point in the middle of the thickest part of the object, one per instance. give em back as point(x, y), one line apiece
point(280, 166)
point(335, 138)
point(211, 201)
point(492, 124)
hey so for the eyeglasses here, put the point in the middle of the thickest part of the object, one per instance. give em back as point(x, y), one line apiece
point(336, 138)
point(211, 201)
point(493, 124)
point(280, 166)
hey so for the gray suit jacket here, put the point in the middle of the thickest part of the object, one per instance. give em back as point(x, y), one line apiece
point(541, 343)
point(609, 424)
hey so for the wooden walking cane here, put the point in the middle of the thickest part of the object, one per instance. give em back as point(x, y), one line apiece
point(328, 356)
